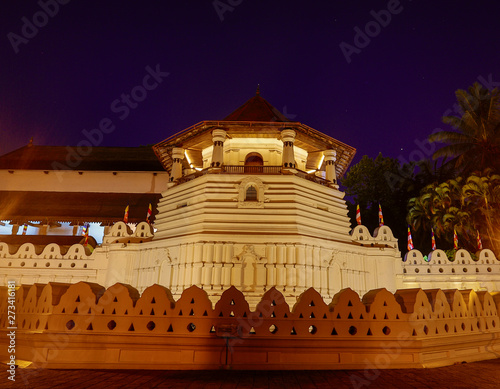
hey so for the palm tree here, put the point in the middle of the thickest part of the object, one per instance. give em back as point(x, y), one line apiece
point(481, 195)
point(439, 207)
point(475, 143)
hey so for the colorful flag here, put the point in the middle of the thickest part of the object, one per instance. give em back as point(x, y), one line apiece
point(434, 247)
point(150, 213)
point(358, 215)
point(410, 240)
point(479, 242)
point(25, 228)
point(87, 229)
point(455, 239)
point(84, 229)
point(125, 217)
point(380, 216)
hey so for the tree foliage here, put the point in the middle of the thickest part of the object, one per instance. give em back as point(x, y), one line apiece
point(466, 205)
point(475, 142)
point(461, 194)
point(378, 181)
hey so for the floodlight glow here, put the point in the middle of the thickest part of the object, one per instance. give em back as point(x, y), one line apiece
point(321, 161)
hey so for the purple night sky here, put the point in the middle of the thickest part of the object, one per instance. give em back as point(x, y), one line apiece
point(66, 76)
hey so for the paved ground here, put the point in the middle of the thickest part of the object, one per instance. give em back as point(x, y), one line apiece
point(472, 375)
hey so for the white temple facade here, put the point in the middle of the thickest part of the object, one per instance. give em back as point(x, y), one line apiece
point(250, 201)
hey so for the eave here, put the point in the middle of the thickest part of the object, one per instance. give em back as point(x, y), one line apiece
point(197, 137)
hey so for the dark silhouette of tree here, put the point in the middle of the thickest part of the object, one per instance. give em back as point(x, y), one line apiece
point(380, 180)
point(475, 142)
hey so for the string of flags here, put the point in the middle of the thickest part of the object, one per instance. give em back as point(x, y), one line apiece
point(410, 244)
point(479, 242)
point(125, 216)
point(380, 215)
point(86, 229)
point(410, 240)
point(148, 215)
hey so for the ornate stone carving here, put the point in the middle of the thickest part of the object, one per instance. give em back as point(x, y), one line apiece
point(259, 186)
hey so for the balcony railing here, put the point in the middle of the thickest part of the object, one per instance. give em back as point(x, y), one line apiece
point(248, 169)
point(312, 177)
point(251, 169)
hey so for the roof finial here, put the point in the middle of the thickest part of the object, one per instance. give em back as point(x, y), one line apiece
point(257, 92)
point(31, 142)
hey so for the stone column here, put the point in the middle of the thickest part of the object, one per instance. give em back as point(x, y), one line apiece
point(177, 157)
point(271, 264)
point(316, 269)
point(291, 272)
point(288, 137)
point(280, 266)
point(174, 286)
point(195, 278)
point(330, 159)
point(300, 257)
point(218, 137)
point(309, 266)
point(217, 276)
point(208, 258)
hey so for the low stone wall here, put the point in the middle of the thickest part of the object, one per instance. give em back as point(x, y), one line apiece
point(436, 270)
point(84, 325)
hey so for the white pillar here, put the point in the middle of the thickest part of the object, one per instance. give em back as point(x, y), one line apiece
point(195, 278)
point(271, 264)
point(218, 137)
point(177, 157)
point(208, 258)
point(290, 267)
point(300, 257)
point(316, 269)
point(288, 137)
point(330, 159)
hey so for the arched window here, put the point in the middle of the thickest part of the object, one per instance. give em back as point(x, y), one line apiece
point(254, 163)
point(251, 194)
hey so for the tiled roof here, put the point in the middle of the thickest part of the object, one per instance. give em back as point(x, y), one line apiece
point(21, 207)
point(257, 109)
point(67, 158)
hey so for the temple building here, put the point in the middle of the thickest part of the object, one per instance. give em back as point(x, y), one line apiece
point(56, 190)
point(250, 201)
point(247, 260)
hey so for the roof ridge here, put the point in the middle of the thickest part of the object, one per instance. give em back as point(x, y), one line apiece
point(256, 109)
